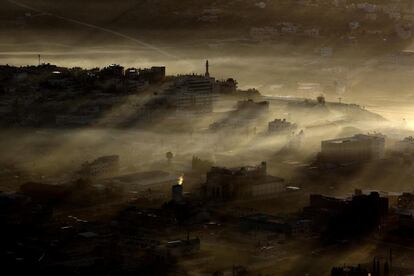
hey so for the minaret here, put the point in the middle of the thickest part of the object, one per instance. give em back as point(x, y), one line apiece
point(207, 73)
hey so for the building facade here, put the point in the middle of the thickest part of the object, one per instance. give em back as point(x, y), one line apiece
point(193, 94)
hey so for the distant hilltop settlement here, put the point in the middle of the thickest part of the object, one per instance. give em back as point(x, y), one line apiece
point(51, 96)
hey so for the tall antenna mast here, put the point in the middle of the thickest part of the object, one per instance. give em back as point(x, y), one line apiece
point(207, 74)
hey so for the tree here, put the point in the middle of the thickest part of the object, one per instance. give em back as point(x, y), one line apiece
point(169, 155)
point(321, 99)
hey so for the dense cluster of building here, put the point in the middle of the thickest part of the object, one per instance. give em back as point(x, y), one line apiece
point(102, 95)
point(398, 15)
point(137, 230)
point(24, 89)
point(148, 232)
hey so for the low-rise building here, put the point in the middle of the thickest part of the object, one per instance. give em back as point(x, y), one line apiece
point(250, 105)
point(243, 182)
point(406, 145)
point(312, 32)
point(404, 58)
point(326, 51)
point(227, 87)
point(101, 167)
point(281, 126)
point(341, 217)
point(357, 148)
point(154, 74)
